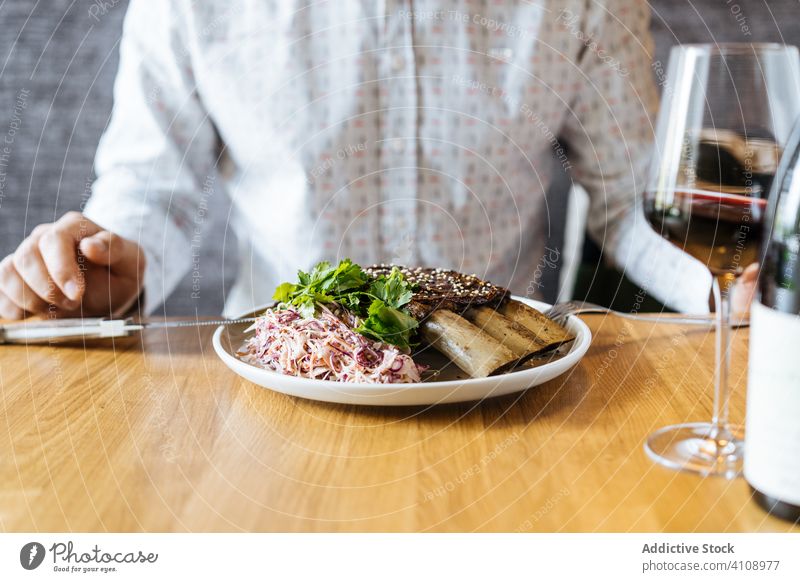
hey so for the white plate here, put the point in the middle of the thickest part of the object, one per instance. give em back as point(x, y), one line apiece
point(227, 339)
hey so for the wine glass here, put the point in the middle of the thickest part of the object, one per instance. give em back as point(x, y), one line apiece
point(726, 114)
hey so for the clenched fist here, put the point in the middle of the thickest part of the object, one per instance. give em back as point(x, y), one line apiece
point(71, 267)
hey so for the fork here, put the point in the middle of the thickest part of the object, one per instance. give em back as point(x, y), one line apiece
point(561, 311)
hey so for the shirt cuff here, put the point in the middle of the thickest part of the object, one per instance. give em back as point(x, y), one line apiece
point(663, 270)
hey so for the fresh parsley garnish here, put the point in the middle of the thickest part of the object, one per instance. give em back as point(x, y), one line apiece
point(379, 302)
point(388, 324)
point(393, 290)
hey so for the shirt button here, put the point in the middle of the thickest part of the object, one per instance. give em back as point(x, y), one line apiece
point(398, 146)
point(398, 63)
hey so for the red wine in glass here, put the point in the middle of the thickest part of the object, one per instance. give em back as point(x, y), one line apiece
point(721, 230)
point(719, 219)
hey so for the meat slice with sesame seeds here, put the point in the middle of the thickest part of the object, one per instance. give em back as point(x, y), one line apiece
point(436, 289)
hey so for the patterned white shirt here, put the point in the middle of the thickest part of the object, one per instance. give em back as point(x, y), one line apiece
point(417, 132)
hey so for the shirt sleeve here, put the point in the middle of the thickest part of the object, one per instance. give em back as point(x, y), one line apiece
point(158, 153)
point(610, 131)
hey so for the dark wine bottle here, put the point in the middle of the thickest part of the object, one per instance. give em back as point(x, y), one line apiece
point(772, 455)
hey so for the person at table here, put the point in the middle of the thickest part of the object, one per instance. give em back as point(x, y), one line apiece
point(412, 132)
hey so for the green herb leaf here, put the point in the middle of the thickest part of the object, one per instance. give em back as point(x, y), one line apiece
point(392, 290)
point(305, 305)
point(352, 301)
point(348, 276)
point(388, 325)
point(283, 293)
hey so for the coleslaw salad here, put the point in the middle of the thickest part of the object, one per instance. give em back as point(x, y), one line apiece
point(323, 347)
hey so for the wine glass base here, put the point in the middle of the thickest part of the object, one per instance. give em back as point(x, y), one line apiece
point(698, 447)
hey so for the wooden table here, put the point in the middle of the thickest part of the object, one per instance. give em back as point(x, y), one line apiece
point(153, 433)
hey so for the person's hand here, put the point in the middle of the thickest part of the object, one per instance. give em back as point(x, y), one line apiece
point(71, 267)
point(744, 291)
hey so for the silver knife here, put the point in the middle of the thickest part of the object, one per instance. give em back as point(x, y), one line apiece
point(42, 331)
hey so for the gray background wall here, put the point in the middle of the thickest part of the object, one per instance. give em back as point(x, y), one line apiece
point(57, 64)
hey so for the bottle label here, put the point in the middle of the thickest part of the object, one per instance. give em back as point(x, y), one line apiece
point(772, 435)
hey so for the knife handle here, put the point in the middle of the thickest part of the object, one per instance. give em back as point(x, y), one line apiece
point(26, 332)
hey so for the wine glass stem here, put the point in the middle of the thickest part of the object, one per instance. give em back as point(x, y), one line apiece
point(723, 345)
